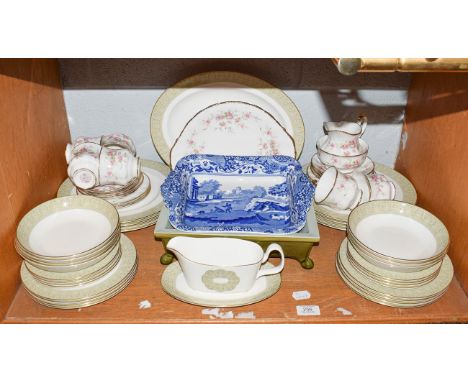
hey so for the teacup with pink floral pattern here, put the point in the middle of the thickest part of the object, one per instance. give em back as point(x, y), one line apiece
point(381, 187)
point(345, 163)
point(337, 190)
point(83, 170)
point(117, 166)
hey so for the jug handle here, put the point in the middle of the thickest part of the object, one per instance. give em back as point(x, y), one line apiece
point(271, 271)
point(362, 120)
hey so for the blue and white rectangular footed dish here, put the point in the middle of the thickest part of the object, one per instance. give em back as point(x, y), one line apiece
point(258, 194)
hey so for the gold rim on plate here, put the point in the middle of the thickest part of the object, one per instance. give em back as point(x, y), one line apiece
point(136, 221)
point(391, 296)
point(172, 271)
point(63, 296)
point(198, 80)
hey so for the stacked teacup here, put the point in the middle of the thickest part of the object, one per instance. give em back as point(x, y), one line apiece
point(74, 254)
point(107, 167)
point(344, 174)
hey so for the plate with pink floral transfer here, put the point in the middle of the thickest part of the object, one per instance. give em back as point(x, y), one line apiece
point(180, 102)
point(232, 128)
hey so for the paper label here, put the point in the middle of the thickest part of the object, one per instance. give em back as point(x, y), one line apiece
point(344, 312)
point(308, 310)
point(301, 295)
point(250, 315)
point(145, 304)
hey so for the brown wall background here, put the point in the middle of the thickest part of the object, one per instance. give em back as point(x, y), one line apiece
point(34, 132)
point(434, 155)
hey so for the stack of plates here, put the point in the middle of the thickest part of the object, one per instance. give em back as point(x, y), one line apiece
point(266, 118)
point(395, 254)
point(338, 219)
point(122, 196)
point(146, 200)
point(74, 253)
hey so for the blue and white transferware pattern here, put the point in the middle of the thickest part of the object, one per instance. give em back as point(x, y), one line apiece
point(258, 194)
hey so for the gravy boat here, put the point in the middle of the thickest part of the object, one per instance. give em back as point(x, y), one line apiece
point(222, 265)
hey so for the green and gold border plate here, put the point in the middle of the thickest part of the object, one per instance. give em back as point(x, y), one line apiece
point(168, 282)
point(166, 98)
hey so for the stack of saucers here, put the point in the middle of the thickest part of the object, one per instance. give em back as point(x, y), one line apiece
point(122, 196)
point(138, 202)
point(395, 254)
point(74, 254)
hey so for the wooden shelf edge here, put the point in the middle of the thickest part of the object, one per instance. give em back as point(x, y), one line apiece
point(327, 291)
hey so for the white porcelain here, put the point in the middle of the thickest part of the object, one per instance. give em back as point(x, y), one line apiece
point(382, 188)
point(83, 171)
point(337, 190)
point(117, 166)
point(367, 167)
point(149, 203)
point(345, 162)
point(222, 265)
point(179, 103)
point(317, 166)
point(363, 184)
point(115, 140)
point(92, 145)
point(142, 189)
point(173, 282)
point(343, 137)
point(232, 128)
point(396, 236)
point(81, 140)
point(69, 231)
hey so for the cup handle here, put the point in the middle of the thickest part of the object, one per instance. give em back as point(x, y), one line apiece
point(271, 271)
point(68, 152)
point(362, 120)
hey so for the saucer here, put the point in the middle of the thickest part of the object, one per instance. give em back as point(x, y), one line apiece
point(143, 213)
point(174, 284)
point(393, 296)
point(338, 219)
point(96, 291)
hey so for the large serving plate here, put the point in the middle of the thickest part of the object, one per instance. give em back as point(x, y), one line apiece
point(261, 194)
point(179, 103)
point(232, 128)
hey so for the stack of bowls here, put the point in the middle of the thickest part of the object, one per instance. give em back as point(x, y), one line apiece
point(395, 254)
point(74, 254)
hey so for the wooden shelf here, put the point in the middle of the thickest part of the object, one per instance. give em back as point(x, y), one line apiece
point(325, 286)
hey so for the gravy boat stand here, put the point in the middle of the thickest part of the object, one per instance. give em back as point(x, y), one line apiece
point(296, 246)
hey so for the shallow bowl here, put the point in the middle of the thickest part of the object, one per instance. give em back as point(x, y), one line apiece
point(397, 234)
point(68, 229)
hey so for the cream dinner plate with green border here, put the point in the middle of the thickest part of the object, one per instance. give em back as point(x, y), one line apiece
point(392, 296)
point(180, 102)
point(98, 290)
point(174, 284)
